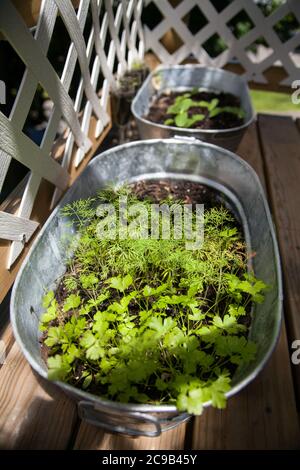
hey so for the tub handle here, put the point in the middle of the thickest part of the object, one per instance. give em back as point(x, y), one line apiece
point(100, 415)
point(187, 138)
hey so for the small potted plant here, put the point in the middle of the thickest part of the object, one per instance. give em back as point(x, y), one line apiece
point(210, 104)
point(121, 99)
point(139, 71)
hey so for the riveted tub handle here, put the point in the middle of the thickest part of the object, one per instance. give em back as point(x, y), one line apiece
point(189, 139)
point(103, 417)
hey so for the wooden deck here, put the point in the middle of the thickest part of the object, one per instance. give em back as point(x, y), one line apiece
point(34, 415)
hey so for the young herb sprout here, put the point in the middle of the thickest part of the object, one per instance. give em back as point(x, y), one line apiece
point(184, 103)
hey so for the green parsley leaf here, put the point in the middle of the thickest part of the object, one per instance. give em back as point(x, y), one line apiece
point(71, 302)
point(120, 283)
point(58, 368)
point(88, 281)
point(47, 299)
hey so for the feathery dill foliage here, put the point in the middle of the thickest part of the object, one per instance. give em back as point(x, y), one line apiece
point(148, 321)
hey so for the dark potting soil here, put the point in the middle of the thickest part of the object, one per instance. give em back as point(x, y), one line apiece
point(158, 110)
point(180, 190)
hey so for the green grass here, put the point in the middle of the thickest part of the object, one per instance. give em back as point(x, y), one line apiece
point(272, 101)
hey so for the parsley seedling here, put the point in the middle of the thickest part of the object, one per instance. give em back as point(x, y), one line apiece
point(184, 103)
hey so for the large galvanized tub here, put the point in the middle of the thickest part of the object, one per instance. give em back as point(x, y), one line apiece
point(171, 158)
point(186, 77)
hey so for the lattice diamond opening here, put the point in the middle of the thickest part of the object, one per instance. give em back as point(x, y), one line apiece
point(268, 74)
point(241, 70)
point(92, 59)
point(195, 20)
point(58, 50)
point(38, 116)
point(215, 45)
point(171, 41)
point(11, 76)
point(16, 172)
point(152, 16)
point(175, 3)
point(74, 85)
point(285, 33)
point(240, 24)
point(268, 7)
point(259, 50)
point(87, 27)
point(220, 5)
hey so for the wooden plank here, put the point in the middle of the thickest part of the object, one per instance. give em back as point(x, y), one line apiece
point(249, 150)
point(264, 415)
point(91, 437)
point(17, 228)
point(33, 414)
point(281, 142)
point(6, 342)
point(6, 334)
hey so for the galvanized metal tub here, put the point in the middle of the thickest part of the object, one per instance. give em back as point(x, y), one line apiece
point(185, 77)
point(180, 158)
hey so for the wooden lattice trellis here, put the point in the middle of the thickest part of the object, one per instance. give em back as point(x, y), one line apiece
point(121, 24)
point(174, 13)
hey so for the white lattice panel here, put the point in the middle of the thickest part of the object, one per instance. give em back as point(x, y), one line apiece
point(121, 25)
point(263, 26)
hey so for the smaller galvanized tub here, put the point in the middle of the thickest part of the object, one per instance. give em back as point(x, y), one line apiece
point(183, 159)
point(186, 77)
